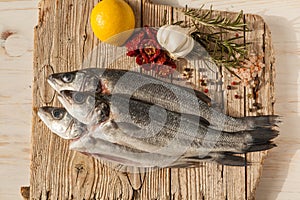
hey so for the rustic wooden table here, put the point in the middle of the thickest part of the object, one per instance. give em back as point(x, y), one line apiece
point(281, 173)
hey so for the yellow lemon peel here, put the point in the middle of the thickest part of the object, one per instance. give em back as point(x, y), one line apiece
point(112, 21)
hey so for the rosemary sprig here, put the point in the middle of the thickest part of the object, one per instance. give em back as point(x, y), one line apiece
point(208, 20)
point(209, 30)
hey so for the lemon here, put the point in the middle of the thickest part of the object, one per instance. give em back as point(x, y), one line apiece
point(112, 21)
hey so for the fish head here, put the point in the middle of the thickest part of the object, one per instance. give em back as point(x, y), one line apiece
point(76, 80)
point(59, 121)
point(85, 106)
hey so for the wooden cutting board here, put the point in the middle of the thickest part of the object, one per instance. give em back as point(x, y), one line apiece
point(63, 41)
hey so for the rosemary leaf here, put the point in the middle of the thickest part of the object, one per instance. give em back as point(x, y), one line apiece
point(208, 29)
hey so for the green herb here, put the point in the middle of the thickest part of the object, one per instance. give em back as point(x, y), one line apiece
point(209, 29)
point(208, 20)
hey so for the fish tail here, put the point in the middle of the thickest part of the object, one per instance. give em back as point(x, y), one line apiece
point(261, 135)
point(260, 139)
point(265, 121)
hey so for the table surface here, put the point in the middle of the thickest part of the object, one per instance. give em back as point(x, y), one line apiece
point(281, 174)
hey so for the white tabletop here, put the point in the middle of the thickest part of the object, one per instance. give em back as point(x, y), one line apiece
point(281, 174)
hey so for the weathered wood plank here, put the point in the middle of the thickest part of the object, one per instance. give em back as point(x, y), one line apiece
point(234, 101)
point(264, 99)
point(204, 182)
point(61, 45)
point(154, 14)
point(156, 183)
point(279, 179)
point(228, 182)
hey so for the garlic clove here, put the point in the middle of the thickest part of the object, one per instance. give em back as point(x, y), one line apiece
point(175, 40)
point(187, 48)
point(163, 37)
point(189, 45)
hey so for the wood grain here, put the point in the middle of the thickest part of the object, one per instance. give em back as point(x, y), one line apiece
point(256, 47)
point(62, 45)
point(279, 175)
point(281, 170)
point(15, 99)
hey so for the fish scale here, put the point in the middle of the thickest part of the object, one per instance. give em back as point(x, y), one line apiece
point(93, 142)
point(172, 133)
point(167, 95)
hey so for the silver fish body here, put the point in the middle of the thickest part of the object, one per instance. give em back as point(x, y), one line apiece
point(59, 121)
point(155, 91)
point(127, 156)
point(105, 81)
point(89, 142)
point(149, 127)
point(121, 154)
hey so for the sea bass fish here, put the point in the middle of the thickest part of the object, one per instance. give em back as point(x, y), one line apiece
point(127, 156)
point(59, 121)
point(104, 80)
point(89, 142)
point(139, 125)
point(155, 91)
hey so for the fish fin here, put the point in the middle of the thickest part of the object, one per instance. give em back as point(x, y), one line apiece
point(128, 127)
point(200, 95)
point(82, 144)
point(204, 121)
point(201, 120)
point(220, 158)
point(259, 147)
point(203, 97)
point(184, 164)
point(230, 160)
point(113, 160)
point(265, 121)
point(116, 159)
point(261, 135)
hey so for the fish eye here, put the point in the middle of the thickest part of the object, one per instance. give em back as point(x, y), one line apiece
point(67, 77)
point(79, 97)
point(57, 114)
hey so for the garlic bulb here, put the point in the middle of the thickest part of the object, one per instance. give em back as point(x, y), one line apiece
point(175, 40)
